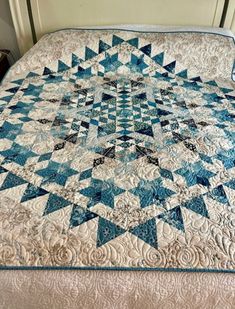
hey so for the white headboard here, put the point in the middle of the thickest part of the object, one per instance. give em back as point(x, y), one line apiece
point(229, 20)
point(33, 18)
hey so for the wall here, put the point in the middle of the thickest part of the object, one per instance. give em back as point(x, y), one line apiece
point(7, 32)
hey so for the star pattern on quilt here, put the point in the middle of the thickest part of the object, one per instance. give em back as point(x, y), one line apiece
point(101, 192)
point(120, 112)
point(56, 172)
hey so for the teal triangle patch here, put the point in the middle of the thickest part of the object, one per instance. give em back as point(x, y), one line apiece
point(134, 42)
point(62, 66)
point(230, 184)
point(13, 90)
point(183, 74)
point(147, 49)
point(147, 232)
point(226, 90)
point(219, 194)
point(170, 67)
point(103, 46)
point(162, 112)
point(32, 192)
point(197, 205)
point(174, 218)
point(32, 74)
point(75, 60)
point(145, 130)
point(159, 58)
point(116, 40)
point(18, 81)
point(89, 53)
point(54, 203)
point(212, 83)
point(107, 231)
point(46, 71)
point(3, 170)
point(80, 215)
point(196, 79)
point(12, 181)
point(7, 99)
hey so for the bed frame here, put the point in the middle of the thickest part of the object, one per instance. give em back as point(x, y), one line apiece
point(34, 18)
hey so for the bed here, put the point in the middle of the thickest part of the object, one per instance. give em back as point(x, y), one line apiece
point(141, 211)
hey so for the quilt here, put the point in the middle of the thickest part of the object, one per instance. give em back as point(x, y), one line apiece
point(119, 156)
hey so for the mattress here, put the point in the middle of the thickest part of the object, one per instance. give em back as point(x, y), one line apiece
point(205, 52)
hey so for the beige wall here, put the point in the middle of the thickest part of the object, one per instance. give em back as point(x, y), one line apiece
point(7, 32)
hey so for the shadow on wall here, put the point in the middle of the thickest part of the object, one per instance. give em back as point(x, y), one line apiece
point(7, 32)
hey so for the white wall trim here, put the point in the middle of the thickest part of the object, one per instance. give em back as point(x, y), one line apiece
point(19, 12)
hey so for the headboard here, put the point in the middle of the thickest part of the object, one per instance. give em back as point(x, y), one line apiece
point(33, 18)
point(229, 18)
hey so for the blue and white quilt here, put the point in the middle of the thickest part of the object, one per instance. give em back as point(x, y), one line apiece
point(121, 156)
